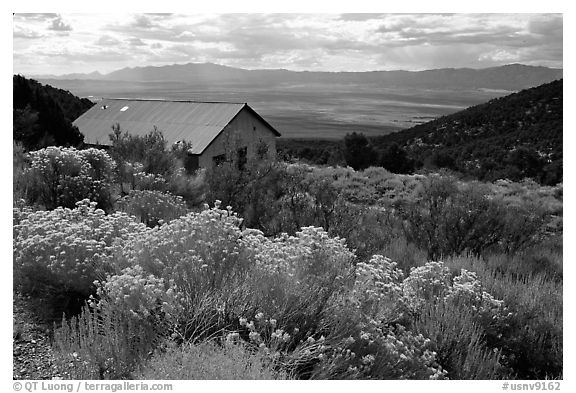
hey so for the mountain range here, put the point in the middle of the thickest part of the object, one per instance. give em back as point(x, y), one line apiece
point(509, 77)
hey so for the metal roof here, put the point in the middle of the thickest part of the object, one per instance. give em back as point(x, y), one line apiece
point(196, 122)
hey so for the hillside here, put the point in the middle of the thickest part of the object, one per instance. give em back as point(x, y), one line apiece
point(508, 77)
point(43, 114)
point(512, 137)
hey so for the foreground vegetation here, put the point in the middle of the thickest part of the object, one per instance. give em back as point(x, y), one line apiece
point(285, 270)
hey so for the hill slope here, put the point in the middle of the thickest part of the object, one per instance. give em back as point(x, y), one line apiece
point(43, 114)
point(512, 137)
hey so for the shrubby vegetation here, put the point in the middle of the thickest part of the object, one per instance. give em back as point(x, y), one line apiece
point(286, 270)
point(514, 137)
point(62, 176)
point(43, 115)
point(60, 253)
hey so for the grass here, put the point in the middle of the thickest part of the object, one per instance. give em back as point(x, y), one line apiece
point(209, 361)
point(104, 344)
point(532, 341)
point(459, 341)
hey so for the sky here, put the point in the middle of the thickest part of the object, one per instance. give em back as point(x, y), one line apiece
point(82, 43)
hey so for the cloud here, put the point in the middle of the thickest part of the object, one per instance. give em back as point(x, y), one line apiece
point(359, 17)
point(21, 32)
point(353, 42)
point(35, 16)
point(551, 27)
point(142, 21)
point(107, 40)
point(134, 41)
point(58, 24)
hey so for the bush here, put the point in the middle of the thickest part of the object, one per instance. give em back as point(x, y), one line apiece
point(60, 253)
point(152, 207)
point(149, 150)
point(209, 360)
point(447, 218)
point(192, 188)
point(101, 343)
point(531, 340)
point(63, 176)
point(145, 163)
point(19, 165)
point(458, 341)
point(358, 152)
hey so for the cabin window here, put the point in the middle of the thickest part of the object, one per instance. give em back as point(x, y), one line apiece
point(191, 163)
point(219, 159)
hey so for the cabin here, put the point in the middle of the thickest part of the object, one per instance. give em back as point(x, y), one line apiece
point(214, 131)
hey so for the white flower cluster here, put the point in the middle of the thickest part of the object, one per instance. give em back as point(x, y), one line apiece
point(137, 294)
point(383, 294)
point(67, 247)
point(70, 175)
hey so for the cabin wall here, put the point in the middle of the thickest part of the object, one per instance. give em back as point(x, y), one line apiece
point(245, 130)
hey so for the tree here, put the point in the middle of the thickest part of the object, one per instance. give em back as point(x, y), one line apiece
point(39, 119)
point(395, 159)
point(528, 162)
point(358, 152)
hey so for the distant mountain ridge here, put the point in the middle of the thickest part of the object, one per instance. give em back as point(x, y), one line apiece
point(514, 137)
point(508, 77)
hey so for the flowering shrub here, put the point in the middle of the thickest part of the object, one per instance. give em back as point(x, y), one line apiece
point(467, 289)
point(153, 207)
point(311, 254)
point(294, 278)
point(361, 351)
point(382, 353)
point(378, 289)
point(147, 181)
point(297, 300)
point(381, 292)
point(62, 176)
point(64, 249)
point(196, 248)
point(426, 283)
point(134, 293)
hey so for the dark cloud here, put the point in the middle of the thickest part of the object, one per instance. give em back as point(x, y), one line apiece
point(548, 27)
point(33, 16)
point(142, 21)
point(136, 42)
point(359, 17)
point(107, 40)
point(58, 24)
